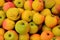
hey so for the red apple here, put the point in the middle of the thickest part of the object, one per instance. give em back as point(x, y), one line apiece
point(8, 5)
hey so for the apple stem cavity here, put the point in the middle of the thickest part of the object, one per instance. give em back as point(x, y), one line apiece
point(19, 2)
point(0, 17)
point(59, 27)
point(47, 33)
point(22, 23)
point(9, 35)
point(31, 24)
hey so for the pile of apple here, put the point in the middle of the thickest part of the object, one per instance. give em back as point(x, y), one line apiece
point(29, 19)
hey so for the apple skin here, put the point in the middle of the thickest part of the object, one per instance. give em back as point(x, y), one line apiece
point(19, 3)
point(11, 35)
point(2, 31)
point(2, 17)
point(33, 28)
point(37, 5)
point(44, 28)
point(13, 14)
point(57, 1)
point(35, 37)
point(22, 27)
point(40, 18)
point(56, 30)
point(8, 5)
point(46, 12)
point(28, 5)
point(34, 12)
point(21, 10)
point(52, 22)
point(46, 35)
point(1, 37)
point(49, 3)
point(27, 15)
point(24, 37)
point(2, 2)
point(8, 24)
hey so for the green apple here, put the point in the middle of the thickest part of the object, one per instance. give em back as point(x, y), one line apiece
point(11, 35)
point(13, 14)
point(27, 15)
point(45, 28)
point(19, 3)
point(22, 27)
point(49, 3)
point(2, 17)
point(56, 30)
point(46, 12)
point(24, 37)
point(33, 28)
point(50, 21)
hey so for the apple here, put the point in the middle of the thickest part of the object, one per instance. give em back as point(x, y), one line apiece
point(38, 18)
point(19, 3)
point(11, 35)
point(8, 5)
point(46, 12)
point(13, 14)
point(46, 28)
point(49, 3)
point(47, 35)
point(33, 28)
point(2, 2)
point(35, 37)
point(28, 5)
point(2, 31)
point(51, 21)
point(22, 27)
point(37, 5)
point(8, 24)
point(56, 30)
point(24, 37)
point(2, 17)
point(27, 15)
